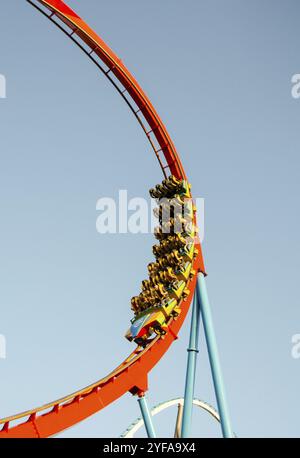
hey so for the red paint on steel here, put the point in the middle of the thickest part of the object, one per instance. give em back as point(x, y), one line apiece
point(131, 375)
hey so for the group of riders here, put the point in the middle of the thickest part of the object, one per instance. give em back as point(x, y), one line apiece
point(175, 234)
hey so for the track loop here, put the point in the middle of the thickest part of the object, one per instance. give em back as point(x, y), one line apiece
point(131, 375)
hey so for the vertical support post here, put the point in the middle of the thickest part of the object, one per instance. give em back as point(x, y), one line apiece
point(191, 370)
point(213, 356)
point(146, 414)
point(178, 425)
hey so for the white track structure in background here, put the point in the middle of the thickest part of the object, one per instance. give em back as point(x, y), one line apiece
point(138, 423)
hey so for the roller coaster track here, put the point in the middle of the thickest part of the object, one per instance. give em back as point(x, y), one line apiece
point(179, 402)
point(132, 374)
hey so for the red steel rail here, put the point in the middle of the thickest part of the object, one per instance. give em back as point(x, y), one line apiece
point(132, 374)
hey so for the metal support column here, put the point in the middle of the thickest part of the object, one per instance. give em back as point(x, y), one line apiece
point(178, 425)
point(146, 414)
point(191, 370)
point(202, 299)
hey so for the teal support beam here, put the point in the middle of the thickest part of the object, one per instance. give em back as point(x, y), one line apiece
point(191, 370)
point(146, 414)
point(213, 354)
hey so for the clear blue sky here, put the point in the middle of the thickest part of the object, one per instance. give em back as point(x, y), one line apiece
point(219, 75)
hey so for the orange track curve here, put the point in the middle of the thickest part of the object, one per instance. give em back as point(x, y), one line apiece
point(132, 374)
